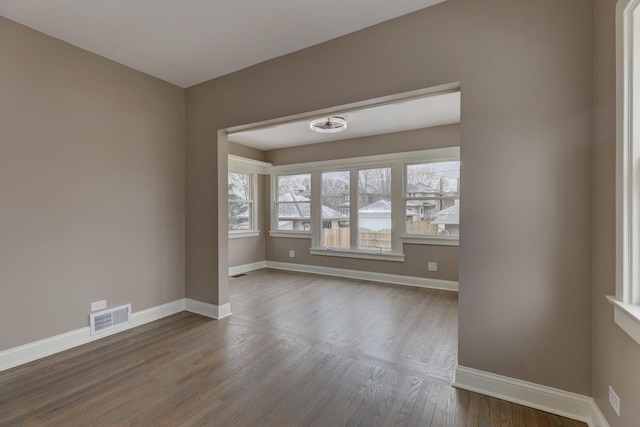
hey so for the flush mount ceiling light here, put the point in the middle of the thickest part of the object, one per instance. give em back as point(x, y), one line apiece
point(329, 125)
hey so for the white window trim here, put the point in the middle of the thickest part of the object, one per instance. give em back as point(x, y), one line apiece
point(397, 162)
point(241, 234)
point(253, 167)
point(274, 232)
point(290, 234)
point(413, 239)
point(243, 164)
point(417, 238)
point(358, 253)
point(626, 302)
point(395, 254)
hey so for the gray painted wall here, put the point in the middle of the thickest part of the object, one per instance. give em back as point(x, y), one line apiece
point(92, 186)
point(526, 146)
point(397, 142)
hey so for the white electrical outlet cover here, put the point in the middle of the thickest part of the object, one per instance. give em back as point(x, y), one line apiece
point(432, 266)
point(292, 254)
point(614, 400)
point(99, 305)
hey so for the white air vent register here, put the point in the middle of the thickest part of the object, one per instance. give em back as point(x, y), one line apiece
point(108, 319)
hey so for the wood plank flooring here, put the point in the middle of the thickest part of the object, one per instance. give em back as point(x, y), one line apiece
point(299, 350)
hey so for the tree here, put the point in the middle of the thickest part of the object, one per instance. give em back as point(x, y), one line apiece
point(424, 174)
point(440, 176)
point(373, 185)
point(293, 183)
point(335, 189)
point(239, 188)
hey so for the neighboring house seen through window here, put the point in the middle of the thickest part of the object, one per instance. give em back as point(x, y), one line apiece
point(432, 199)
point(369, 206)
point(293, 203)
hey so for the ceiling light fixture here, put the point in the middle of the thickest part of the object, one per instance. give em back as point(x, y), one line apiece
point(329, 125)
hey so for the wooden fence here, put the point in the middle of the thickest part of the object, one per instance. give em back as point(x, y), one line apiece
point(340, 237)
point(336, 237)
point(422, 227)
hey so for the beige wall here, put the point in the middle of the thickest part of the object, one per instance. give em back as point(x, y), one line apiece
point(247, 152)
point(398, 142)
point(92, 166)
point(416, 256)
point(415, 264)
point(616, 357)
point(526, 147)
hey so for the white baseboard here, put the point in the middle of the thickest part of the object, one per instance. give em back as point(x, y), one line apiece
point(46, 347)
point(597, 417)
point(246, 268)
point(209, 310)
point(420, 282)
point(548, 399)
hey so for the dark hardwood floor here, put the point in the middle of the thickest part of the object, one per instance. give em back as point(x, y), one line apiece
point(298, 350)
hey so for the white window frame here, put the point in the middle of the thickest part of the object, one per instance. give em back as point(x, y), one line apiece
point(424, 239)
point(253, 168)
point(354, 251)
point(275, 232)
point(397, 162)
point(627, 299)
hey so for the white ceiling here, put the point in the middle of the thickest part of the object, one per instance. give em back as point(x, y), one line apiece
point(190, 41)
point(406, 115)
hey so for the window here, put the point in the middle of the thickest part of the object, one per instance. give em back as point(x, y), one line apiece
point(627, 300)
point(374, 209)
point(432, 199)
point(293, 203)
point(360, 208)
point(335, 210)
point(368, 226)
point(242, 208)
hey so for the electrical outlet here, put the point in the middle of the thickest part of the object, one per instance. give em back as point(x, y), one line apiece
point(432, 266)
point(292, 254)
point(99, 305)
point(614, 400)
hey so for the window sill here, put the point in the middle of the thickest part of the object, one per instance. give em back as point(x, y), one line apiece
point(388, 256)
point(438, 241)
point(290, 234)
point(243, 234)
point(627, 316)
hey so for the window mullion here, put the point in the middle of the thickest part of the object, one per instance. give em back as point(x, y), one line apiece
point(353, 208)
point(397, 206)
point(315, 208)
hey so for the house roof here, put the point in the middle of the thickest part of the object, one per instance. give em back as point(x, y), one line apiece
point(290, 196)
point(381, 206)
point(420, 203)
point(420, 188)
point(450, 215)
point(292, 210)
point(328, 213)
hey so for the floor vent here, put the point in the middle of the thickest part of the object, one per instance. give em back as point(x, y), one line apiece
point(239, 275)
point(107, 319)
